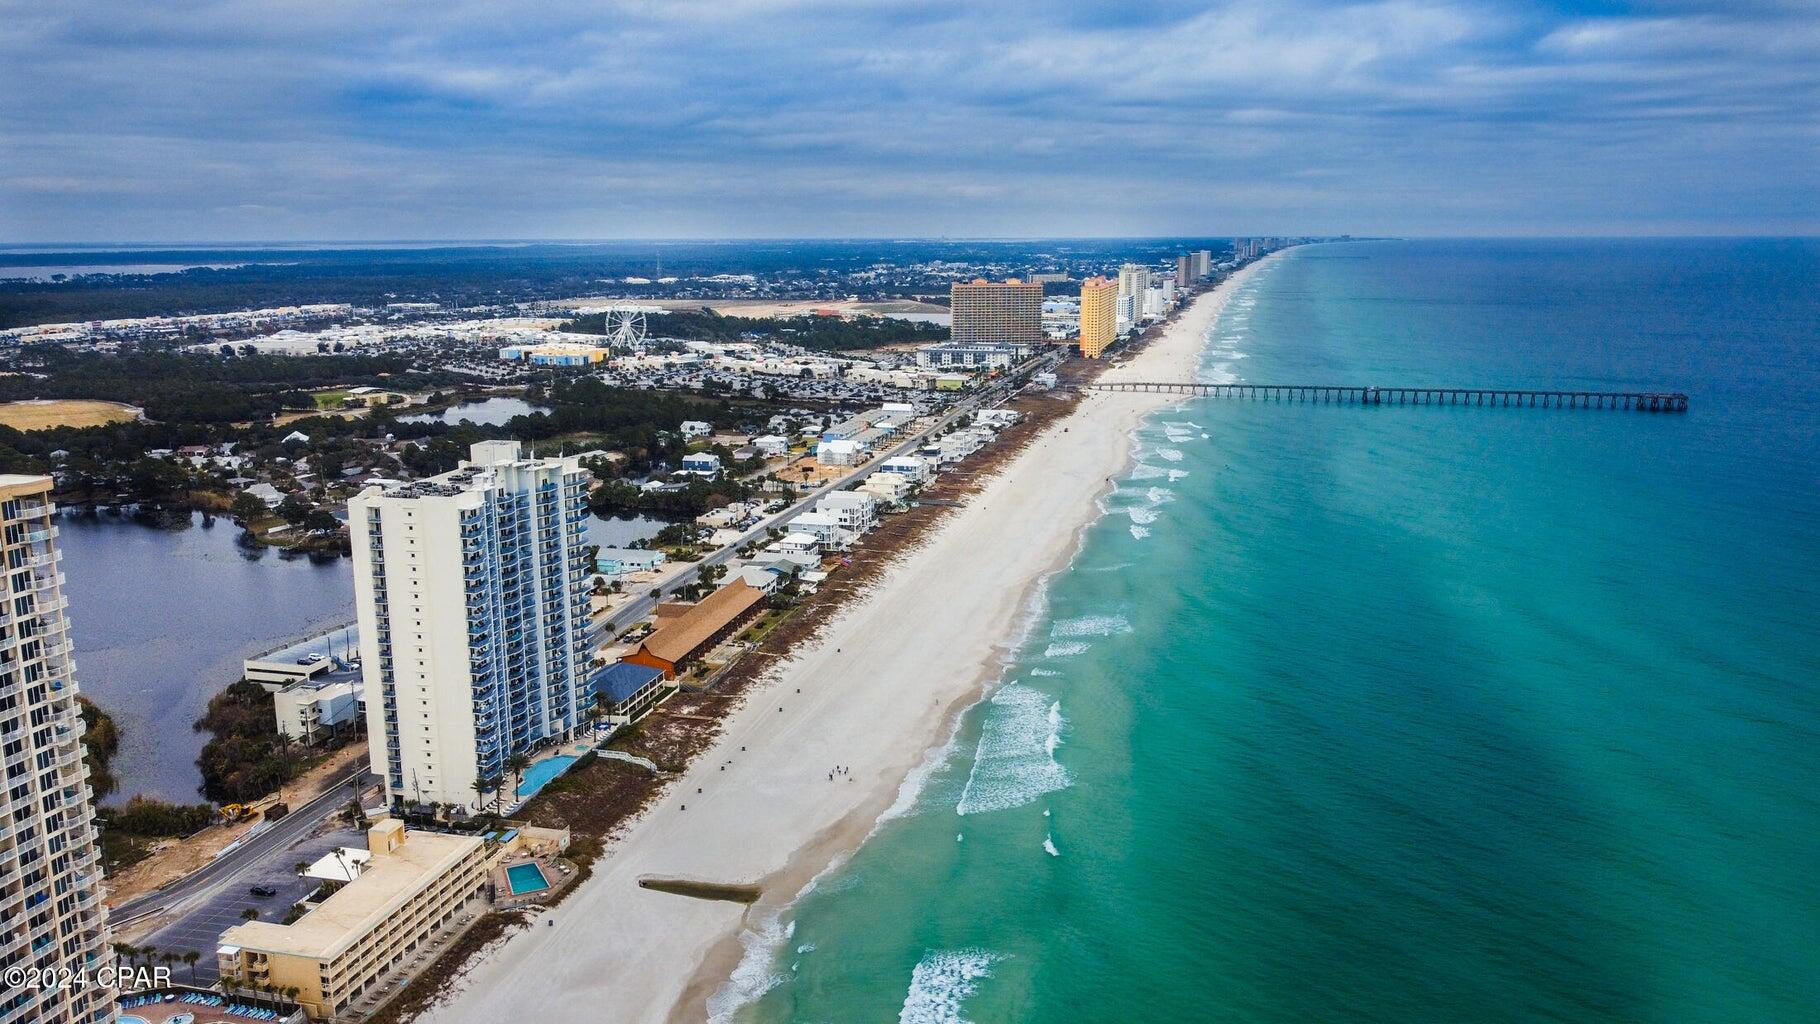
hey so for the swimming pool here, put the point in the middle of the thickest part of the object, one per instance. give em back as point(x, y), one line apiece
point(526, 878)
point(127, 1018)
point(539, 775)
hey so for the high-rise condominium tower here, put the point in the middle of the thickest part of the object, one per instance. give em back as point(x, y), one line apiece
point(50, 861)
point(1133, 279)
point(1099, 315)
point(473, 619)
point(989, 312)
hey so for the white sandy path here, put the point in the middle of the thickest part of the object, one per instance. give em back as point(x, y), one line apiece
point(878, 691)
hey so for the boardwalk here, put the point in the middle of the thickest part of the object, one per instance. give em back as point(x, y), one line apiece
point(1638, 401)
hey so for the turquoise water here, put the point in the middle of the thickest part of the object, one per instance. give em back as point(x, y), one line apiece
point(1400, 714)
point(539, 775)
point(525, 878)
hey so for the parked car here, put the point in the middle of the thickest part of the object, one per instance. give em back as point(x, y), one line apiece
point(262, 891)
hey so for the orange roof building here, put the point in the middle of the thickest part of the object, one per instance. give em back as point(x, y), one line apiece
point(682, 638)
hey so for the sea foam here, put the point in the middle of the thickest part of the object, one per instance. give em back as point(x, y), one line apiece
point(1091, 625)
point(1015, 763)
point(941, 981)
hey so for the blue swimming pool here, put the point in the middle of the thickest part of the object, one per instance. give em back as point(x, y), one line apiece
point(539, 775)
point(526, 878)
point(127, 1018)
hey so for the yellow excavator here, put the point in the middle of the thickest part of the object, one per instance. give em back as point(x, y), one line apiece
point(233, 813)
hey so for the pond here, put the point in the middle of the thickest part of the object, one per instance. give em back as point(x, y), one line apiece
point(488, 412)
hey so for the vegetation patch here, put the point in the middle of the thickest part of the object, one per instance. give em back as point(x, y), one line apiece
point(247, 757)
point(63, 412)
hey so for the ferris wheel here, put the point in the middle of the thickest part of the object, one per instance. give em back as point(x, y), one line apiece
point(626, 327)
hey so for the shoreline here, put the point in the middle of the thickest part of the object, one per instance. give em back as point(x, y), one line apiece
point(881, 699)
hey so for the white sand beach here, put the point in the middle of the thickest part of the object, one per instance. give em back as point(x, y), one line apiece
point(877, 692)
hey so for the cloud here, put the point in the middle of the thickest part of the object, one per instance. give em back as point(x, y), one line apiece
point(643, 117)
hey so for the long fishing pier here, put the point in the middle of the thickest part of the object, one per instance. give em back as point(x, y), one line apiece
point(1637, 401)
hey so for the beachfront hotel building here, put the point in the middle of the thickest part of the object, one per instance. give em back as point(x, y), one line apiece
point(50, 864)
point(473, 613)
point(996, 313)
point(1099, 315)
point(407, 891)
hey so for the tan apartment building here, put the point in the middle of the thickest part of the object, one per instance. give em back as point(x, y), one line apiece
point(52, 919)
point(995, 313)
point(412, 886)
point(1099, 315)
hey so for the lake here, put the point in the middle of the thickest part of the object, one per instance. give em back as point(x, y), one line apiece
point(488, 412)
point(162, 617)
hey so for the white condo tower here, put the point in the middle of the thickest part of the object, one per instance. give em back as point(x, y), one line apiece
point(473, 619)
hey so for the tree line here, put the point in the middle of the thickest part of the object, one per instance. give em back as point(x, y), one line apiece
point(817, 333)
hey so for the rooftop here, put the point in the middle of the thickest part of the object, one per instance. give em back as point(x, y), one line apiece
point(676, 639)
point(390, 879)
point(621, 680)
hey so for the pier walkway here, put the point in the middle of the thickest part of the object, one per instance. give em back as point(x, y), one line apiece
point(1639, 401)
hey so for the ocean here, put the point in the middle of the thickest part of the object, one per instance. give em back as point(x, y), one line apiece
point(1398, 714)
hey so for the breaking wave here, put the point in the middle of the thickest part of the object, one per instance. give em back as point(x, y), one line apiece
point(941, 981)
point(1015, 763)
point(1091, 625)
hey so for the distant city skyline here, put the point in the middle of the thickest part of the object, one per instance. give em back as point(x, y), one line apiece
point(747, 119)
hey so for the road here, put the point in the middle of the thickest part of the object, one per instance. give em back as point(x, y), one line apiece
point(236, 865)
point(998, 391)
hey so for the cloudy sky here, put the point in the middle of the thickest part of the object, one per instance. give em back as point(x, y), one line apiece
point(325, 119)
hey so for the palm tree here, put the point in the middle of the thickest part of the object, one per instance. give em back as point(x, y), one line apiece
point(129, 951)
point(189, 960)
point(516, 764)
point(480, 793)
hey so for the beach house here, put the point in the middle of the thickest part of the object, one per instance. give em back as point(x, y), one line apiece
point(838, 453)
point(797, 543)
point(705, 464)
point(854, 511)
point(619, 561)
point(827, 530)
point(909, 467)
point(888, 487)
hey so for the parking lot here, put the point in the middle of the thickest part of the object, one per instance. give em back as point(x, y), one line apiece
point(201, 928)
